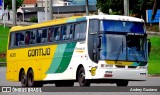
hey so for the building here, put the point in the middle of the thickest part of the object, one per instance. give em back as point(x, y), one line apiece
point(82, 2)
point(41, 3)
point(61, 9)
point(58, 12)
point(29, 3)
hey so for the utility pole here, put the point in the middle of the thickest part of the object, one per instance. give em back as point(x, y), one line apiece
point(4, 25)
point(14, 12)
point(126, 7)
point(46, 10)
point(87, 8)
point(50, 10)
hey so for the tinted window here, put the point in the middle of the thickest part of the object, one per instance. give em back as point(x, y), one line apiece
point(70, 30)
point(80, 30)
point(44, 35)
point(50, 35)
point(21, 40)
point(121, 26)
point(39, 36)
point(12, 38)
point(17, 37)
point(64, 32)
point(27, 37)
point(32, 37)
point(57, 33)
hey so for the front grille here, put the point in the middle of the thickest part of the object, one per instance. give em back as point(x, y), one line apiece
point(132, 66)
point(118, 66)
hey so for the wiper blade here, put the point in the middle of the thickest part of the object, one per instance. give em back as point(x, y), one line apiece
point(119, 52)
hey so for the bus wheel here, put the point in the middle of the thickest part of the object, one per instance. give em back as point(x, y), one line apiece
point(31, 82)
point(122, 83)
point(64, 83)
point(23, 79)
point(81, 78)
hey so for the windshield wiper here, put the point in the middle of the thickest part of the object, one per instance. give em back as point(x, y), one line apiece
point(119, 52)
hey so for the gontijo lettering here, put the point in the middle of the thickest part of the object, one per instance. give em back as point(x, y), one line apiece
point(38, 52)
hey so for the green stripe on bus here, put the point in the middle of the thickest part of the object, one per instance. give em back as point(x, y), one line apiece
point(138, 64)
point(57, 58)
point(66, 57)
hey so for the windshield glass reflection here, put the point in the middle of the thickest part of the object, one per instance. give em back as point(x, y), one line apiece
point(120, 47)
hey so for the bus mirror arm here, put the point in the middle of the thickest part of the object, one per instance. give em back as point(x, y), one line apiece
point(98, 42)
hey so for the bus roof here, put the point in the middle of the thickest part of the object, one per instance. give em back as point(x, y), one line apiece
point(48, 23)
point(116, 17)
point(75, 19)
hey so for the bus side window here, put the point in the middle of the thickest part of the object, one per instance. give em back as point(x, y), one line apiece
point(64, 30)
point(39, 36)
point(50, 35)
point(12, 38)
point(32, 37)
point(69, 32)
point(44, 35)
point(21, 40)
point(80, 30)
point(57, 33)
point(17, 38)
point(27, 36)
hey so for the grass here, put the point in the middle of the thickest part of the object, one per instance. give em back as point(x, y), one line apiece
point(154, 58)
point(3, 40)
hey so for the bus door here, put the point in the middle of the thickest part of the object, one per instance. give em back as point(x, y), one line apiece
point(94, 40)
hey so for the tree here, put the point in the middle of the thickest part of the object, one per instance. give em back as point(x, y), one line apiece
point(136, 6)
point(155, 8)
point(9, 3)
point(139, 7)
point(115, 5)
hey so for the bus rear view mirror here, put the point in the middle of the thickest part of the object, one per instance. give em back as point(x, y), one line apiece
point(149, 46)
point(98, 42)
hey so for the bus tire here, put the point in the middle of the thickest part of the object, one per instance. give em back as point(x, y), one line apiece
point(23, 79)
point(122, 83)
point(64, 83)
point(30, 80)
point(81, 78)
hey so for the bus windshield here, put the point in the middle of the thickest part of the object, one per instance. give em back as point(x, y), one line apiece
point(124, 46)
point(121, 26)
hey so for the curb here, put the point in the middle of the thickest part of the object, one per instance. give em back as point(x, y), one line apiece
point(154, 75)
point(3, 63)
point(151, 33)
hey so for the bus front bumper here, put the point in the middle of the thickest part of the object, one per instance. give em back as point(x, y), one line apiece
point(124, 74)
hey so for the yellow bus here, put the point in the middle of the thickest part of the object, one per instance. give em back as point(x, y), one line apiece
point(89, 49)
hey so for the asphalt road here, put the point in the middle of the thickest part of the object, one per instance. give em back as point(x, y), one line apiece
point(151, 81)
